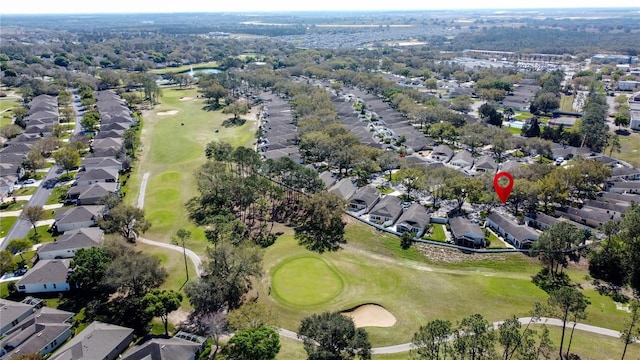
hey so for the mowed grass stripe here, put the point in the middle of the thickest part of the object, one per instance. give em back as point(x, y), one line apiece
point(173, 149)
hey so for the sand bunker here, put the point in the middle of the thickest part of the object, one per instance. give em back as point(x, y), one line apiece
point(170, 112)
point(185, 98)
point(371, 315)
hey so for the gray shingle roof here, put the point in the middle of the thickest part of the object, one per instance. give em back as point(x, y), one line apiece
point(46, 272)
point(415, 216)
point(389, 206)
point(75, 239)
point(519, 232)
point(96, 341)
point(163, 349)
point(365, 195)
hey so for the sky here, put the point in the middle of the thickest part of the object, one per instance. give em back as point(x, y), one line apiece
point(163, 6)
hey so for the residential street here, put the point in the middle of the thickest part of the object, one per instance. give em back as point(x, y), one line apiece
point(21, 227)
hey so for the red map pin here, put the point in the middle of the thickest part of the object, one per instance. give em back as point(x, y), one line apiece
point(503, 192)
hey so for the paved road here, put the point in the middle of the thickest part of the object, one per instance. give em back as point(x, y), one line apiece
point(525, 320)
point(21, 227)
point(77, 106)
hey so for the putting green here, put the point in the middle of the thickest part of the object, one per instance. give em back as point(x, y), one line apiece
point(306, 281)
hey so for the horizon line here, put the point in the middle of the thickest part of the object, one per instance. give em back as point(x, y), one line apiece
point(504, 9)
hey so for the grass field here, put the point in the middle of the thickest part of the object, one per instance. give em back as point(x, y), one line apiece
point(566, 103)
point(413, 289)
point(183, 68)
point(171, 154)
point(6, 223)
point(6, 116)
point(630, 151)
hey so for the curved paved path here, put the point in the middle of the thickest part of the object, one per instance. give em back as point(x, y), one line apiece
point(380, 350)
point(524, 320)
point(195, 259)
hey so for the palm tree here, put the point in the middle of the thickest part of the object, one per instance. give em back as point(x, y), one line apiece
point(182, 236)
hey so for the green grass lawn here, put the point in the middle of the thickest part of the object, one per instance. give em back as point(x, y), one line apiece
point(25, 190)
point(58, 195)
point(6, 223)
point(13, 206)
point(512, 130)
point(437, 233)
point(306, 281)
point(566, 103)
point(375, 269)
point(171, 154)
point(630, 151)
point(6, 115)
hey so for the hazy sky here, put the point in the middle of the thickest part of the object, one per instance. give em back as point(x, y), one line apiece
point(136, 6)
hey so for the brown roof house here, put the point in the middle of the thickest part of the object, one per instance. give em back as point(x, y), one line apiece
point(415, 219)
point(97, 341)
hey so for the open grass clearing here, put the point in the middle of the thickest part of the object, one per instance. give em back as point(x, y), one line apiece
point(6, 223)
point(171, 154)
point(306, 281)
point(415, 289)
point(630, 151)
point(184, 68)
point(24, 190)
point(566, 103)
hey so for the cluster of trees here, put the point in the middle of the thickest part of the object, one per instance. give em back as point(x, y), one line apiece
point(593, 126)
point(548, 96)
point(475, 338)
point(118, 285)
point(616, 260)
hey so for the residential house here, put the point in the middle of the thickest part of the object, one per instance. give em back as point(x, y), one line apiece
point(441, 153)
point(364, 199)
point(97, 341)
point(520, 236)
point(328, 178)
point(463, 159)
point(486, 164)
point(105, 134)
point(6, 187)
point(92, 194)
point(97, 175)
point(415, 219)
point(91, 163)
point(107, 147)
point(45, 276)
point(42, 332)
point(568, 152)
point(16, 148)
point(625, 173)
point(386, 211)
point(174, 348)
point(12, 313)
point(623, 198)
point(540, 220)
point(465, 233)
point(77, 217)
point(603, 204)
point(589, 216)
point(69, 242)
point(344, 188)
point(625, 187)
point(510, 165)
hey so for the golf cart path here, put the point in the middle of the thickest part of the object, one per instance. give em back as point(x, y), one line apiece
point(380, 350)
point(195, 259)
point(524, 321)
